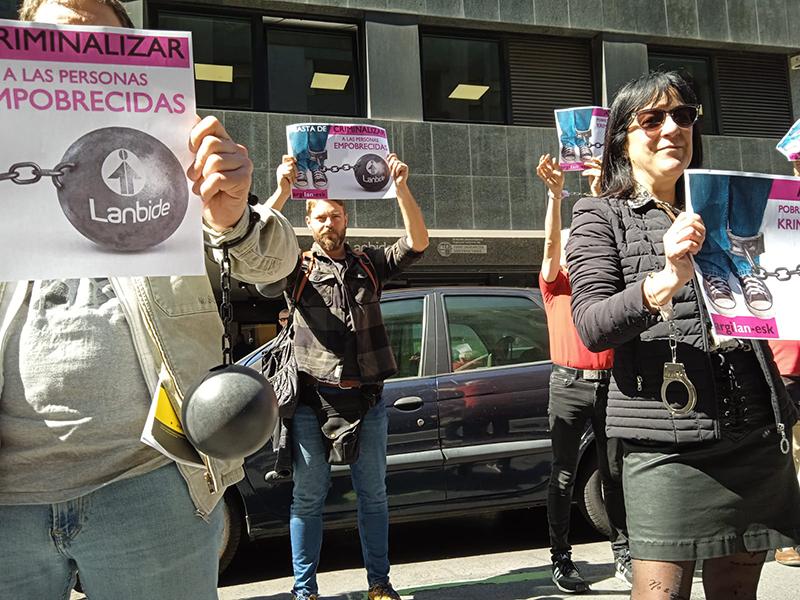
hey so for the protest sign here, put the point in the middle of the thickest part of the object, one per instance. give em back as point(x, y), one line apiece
point(749, 264)
point(580, 134)
point(340, 162)
point(789, 146)
point(94, 183)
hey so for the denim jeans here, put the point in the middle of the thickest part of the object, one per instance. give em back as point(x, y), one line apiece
point(573, 403)
point(312, 475)
point(571, 120)
point(302, 142)
point(134, 539)
point(727, 202)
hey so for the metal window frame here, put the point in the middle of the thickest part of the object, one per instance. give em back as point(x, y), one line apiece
point(259, 46)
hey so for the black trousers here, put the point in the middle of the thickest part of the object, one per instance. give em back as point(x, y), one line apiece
point(575, 402)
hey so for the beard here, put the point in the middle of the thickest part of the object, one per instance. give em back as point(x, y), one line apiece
point(330, 240)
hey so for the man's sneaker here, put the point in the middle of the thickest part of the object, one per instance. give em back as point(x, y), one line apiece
point(585, 153)
point(304, 597)
point(719, 293)
point(624, 568)
point(566, 576)
point(320, 179)
point(757, 297)
point(568, 154)
point(788, 557)
point(382, 591)
point(301, 181)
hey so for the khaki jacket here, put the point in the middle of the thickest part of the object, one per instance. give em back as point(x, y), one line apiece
point(177, 330)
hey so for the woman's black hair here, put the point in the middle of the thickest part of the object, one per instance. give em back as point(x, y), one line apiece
point(617, 178)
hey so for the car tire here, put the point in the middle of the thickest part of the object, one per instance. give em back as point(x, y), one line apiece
point(590, 499)
point(232, 531)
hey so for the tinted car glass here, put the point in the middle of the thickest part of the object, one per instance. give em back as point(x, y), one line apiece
point(499, 330)
point(404, 320)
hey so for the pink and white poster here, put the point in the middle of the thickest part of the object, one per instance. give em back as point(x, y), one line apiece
point(94, 183)
point(340, 162)
point(581, 134)
point(749, 265)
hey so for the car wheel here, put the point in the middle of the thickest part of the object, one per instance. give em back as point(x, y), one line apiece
point(232, 531)
point(590, 499)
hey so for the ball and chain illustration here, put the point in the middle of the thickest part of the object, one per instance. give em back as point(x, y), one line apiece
point(119, 187)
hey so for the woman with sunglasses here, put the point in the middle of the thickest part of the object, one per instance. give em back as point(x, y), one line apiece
point(707, 474)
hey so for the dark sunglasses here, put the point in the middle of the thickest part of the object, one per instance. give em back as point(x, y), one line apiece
point(651, 119)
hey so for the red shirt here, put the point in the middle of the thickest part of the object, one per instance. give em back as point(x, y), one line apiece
point(566, 348)
point(787, 356)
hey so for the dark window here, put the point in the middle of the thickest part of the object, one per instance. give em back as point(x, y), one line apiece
point(697, 73)
point(546, 74)
point(462, 79)
point(755, 98)
point(8, 8)
point(403, 320)
point(223, 57)
point(311, 72)
point(495, 331)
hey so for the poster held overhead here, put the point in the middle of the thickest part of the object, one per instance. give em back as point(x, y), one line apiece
point(581, 132)
point(97, 174)
point(749, 265)
point(340, 162)
point(789, 145)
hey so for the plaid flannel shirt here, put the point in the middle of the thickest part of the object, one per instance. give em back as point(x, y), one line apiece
point(320, 318)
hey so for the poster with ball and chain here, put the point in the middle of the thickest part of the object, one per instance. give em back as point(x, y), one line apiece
point(340, 162)
point(93, 171)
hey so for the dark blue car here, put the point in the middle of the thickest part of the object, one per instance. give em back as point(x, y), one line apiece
point(468, 424)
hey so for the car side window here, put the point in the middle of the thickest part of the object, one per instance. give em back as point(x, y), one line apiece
point(493, 331)
point(404, 324)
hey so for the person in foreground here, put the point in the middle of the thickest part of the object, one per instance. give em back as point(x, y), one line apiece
point(80, 360)
point(343, 356)
point(714, 481)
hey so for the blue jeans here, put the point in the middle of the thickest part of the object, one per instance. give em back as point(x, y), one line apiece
point(312, 475)
point(571, 120)
point(302, 142)
point(134, 539)
point(727, 202)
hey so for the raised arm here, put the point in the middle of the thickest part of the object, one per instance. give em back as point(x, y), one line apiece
point(286, 176)
point(222, 176)
point(414, 223)
point(553, 176)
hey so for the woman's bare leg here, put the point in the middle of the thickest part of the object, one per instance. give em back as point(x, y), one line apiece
point(661, 580)
point(734, 576)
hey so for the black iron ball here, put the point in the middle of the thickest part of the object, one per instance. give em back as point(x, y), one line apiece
point(127, 190)
point(372, 172)
point(230, 413)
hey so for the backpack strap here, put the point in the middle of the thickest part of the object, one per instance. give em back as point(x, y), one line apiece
point(368, 266)
point(302, 277)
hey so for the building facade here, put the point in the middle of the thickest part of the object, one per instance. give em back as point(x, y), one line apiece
point(466, 91)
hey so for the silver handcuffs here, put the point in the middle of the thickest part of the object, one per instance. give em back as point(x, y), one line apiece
point(674, 372)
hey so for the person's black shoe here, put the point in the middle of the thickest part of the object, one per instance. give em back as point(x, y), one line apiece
point(624, 568)
point(566, 576)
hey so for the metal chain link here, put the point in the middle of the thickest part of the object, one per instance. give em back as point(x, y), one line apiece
point(336, 169)
point(780, 273)
point(15, 176)
point(226, 308)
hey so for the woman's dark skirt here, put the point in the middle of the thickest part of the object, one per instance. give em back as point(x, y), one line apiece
point(698, 501)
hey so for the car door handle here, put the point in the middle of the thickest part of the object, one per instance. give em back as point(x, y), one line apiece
point(408, 403)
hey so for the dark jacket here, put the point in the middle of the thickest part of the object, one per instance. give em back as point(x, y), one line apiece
point(614, 243)
point(329, 309)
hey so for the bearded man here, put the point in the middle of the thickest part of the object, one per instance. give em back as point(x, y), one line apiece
point(343, 355)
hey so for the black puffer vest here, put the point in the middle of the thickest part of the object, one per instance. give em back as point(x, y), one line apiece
point(614, 243)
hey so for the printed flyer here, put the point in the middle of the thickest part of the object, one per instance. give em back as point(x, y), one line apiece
point(95, 182)
point(789, 146)
point(581, 132)
point(749, 264)
point(340, 162)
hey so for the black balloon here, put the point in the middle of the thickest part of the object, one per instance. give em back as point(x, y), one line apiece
point(138, 203)
point(372, 172)
point(230, 413)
